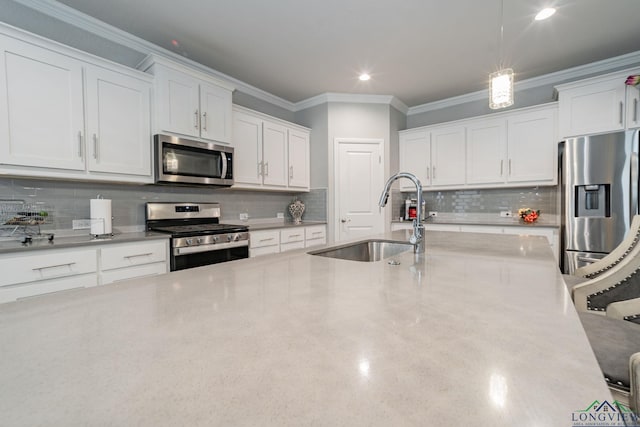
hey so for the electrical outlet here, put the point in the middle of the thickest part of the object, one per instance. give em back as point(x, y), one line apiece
point(433, 213)
point(244, 216)
point(280, 215)
point(506, 214)
point(80, 224)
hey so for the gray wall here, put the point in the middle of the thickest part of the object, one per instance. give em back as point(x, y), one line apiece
point(317, 118)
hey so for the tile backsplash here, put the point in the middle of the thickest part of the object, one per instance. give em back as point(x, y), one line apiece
point(485, 200)
point(70, 200)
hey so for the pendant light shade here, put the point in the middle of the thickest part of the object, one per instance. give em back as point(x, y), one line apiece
point(501, 82)
point(501, 89)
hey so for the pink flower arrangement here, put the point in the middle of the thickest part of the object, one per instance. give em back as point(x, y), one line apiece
point(633, 80)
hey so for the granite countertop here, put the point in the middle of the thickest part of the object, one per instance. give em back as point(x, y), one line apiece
point(15, 245)
point(478, 330)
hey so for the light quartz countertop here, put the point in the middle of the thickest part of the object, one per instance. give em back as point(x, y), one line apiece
point(15, 245)
point(479, 330)
point(545, 220)
point(269, 224)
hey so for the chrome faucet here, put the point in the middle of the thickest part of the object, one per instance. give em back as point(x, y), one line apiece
point(417, 238)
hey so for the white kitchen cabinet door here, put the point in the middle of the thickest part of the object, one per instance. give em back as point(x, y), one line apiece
point(486, 151)
point(274, 154)
point(247, 143)
point(118, 123)
point(215, 114)
point(299, 174)
point(178, 102)
point(532, 147)
point(415, 158)
point(448, 156)
point(41, 108)
point(595, 107)
point(633, 99)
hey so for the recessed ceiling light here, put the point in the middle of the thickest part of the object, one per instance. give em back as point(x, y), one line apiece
point(545, 13)
point(364, 77)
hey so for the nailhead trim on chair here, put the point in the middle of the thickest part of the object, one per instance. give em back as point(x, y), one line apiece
point(589, 307)
point(617, 261)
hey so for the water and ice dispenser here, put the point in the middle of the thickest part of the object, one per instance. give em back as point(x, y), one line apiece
point(593, 200)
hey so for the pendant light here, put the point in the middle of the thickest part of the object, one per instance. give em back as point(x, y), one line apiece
point(501, 82)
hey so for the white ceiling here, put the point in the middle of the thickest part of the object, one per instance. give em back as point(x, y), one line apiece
point(417, 50)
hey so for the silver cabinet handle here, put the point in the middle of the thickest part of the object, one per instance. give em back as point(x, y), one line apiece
point(621, 108)
point(428, 172)
point(433, 169)
point(260, 169)
point(196, 119)
point(635, 110)
point(315, 233)
point(53, 266)
point(138, 255)
point(204, 121)
point(267, 240)
point(509, 167)
point(80, 144)
point(266, 169)
point(501, 167)
point(290, 172)
point(294, 235)
point(95, 146)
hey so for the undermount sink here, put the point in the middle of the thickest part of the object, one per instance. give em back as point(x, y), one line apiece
point(365, 251)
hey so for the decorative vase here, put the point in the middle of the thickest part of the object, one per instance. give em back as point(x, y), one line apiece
point(296, 209)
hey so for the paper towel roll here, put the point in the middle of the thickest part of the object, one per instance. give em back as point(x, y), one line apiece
point(100, 216)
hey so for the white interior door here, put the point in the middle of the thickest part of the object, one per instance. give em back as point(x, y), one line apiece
point(359, 182)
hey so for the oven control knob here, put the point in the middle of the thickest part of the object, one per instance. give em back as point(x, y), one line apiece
point(189, 242)
point(229, 237)
point(215, 239)
point(199, 240)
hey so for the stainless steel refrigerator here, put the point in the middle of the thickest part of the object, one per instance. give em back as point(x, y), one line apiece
point(599, 194)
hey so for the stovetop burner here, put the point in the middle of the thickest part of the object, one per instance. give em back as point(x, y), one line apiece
point(200, 229)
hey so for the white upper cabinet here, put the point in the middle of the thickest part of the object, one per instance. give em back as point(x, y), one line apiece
point(41, 108)
point(506, 149)
point(118, 123)
point(597, 105)
point(435, 155)
point(415, 157)
point(486, 151)
point(532, 147)
point(448, 156)
point(189, 102)
point(65, 114)
point(633, 99)
point(270, 154)
point(299, 160)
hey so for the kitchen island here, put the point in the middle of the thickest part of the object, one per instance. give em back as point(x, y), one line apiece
point(478, 330)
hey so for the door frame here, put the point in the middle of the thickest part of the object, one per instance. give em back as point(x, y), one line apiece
point(334, 212)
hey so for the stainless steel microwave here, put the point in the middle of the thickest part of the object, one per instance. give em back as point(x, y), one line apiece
point(184, 161)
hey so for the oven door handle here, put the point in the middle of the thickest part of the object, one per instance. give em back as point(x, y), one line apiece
point(209, 248)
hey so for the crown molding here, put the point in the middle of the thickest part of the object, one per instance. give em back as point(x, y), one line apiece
point(557, 77)
point(351, 98)
point(94, 26)
point(85, 22)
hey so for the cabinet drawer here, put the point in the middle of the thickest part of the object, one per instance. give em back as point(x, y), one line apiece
point(266, 250)
point(315, 232)
point(289, 235)
point(12, 293)
point(111, 276)
point(315, 242)
point(130, 254)
point(260, 239)
point(291, 246)
point(43, 265)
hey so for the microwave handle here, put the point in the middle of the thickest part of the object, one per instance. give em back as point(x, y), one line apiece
point(224, 165)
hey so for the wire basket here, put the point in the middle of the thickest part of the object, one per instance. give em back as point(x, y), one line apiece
point(20, 218)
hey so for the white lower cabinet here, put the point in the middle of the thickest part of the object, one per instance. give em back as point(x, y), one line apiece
point(130, 260)
point(45, 271)
point(315, 235)
point(265, 242)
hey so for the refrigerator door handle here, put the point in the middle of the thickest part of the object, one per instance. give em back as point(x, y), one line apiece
point(588, 259)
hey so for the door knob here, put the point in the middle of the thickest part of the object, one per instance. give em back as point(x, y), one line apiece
point(343, 220)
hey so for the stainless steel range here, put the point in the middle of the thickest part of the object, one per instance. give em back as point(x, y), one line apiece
point(197, 237)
